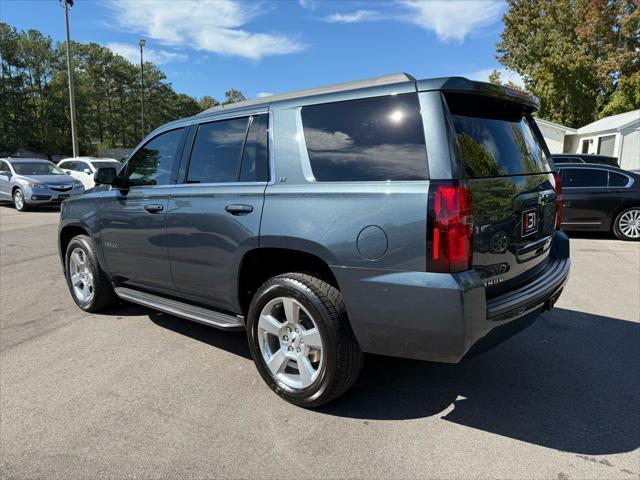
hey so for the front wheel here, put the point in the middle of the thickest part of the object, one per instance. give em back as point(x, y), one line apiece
point(301, 340)
point(19, 201)
point(627, 224)
point(89, 286)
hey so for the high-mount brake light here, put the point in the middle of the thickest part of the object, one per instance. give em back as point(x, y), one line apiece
point(449, 227)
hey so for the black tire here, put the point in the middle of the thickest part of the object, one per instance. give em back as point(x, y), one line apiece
point(343, 358)
point(21, 206)
point(617, 231)
point(103, 294)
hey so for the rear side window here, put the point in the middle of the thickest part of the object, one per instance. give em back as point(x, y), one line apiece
point(584, 177)
point(215, 157)
point(372, 139)
point(618, 180)
point(255, 162)
point(494, 138)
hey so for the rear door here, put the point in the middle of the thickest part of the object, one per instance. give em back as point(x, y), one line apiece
point(588, 200)
point(501, 157)
point(214, 212)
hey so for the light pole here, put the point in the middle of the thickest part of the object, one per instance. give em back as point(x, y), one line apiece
point(141, 42)
point(72, 98)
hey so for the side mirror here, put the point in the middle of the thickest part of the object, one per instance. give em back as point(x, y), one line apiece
point(105, 176)
point(87, 170)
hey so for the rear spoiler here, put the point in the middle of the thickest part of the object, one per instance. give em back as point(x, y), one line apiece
point(464, 85)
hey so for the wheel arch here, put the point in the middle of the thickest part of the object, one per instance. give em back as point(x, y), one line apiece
point(260, 264)
point(66, 234)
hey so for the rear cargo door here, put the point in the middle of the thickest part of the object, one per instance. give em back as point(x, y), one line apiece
point(512, 188)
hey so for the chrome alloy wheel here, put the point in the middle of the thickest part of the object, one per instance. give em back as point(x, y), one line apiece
point(629, 223)
point(18, 199)
point(81, 276)
point(290, 342)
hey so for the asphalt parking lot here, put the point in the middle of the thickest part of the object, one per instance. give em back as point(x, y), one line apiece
point(135, 393)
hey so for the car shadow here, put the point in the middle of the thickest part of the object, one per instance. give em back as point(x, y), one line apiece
point(570, 382)
point(232, 342)
point(592, 235)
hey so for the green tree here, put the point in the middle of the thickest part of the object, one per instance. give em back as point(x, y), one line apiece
point(572, 54)
point(35, 98)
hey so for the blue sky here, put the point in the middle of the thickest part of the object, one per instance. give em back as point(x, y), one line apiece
point(208, 46)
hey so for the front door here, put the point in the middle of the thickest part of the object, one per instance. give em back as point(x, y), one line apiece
point(214, 214)
point(133, 217)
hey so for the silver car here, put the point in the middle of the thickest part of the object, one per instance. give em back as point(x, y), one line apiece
point(28, 182)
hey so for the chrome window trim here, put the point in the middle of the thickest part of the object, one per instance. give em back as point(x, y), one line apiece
point(628, 185)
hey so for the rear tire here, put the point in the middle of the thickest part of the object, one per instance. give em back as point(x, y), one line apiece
point(88, 284)
point(305, 374)
point(18, 200)
point(626, 226)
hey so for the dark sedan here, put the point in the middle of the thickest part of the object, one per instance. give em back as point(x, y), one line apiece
point(600, 198)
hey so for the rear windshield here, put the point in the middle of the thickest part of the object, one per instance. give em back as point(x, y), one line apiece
point(494, 138)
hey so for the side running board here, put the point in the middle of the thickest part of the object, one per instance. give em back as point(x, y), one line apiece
point(183, 310)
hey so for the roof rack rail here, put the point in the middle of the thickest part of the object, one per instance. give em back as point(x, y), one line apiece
point(338, 87)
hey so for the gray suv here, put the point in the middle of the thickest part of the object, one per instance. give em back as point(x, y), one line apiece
point(393, 216)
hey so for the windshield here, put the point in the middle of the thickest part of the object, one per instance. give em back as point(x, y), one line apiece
point(36, 168)
point(495, 138)
point(103, 164)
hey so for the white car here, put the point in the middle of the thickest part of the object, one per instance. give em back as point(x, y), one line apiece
point(83, 168)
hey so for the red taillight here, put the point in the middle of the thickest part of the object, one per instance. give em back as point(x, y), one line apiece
point(558, 185)
point(449, 227)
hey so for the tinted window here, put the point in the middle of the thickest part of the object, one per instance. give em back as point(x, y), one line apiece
point(103, 164)
point(617, 180)
point(153, 164)
point(215, 157)
point(68, 165)
point(494, 138)
point(4, 167)
point(372, 139)
point(255, 161)
point(36, 168)
point(584, 177)
point(82, 166)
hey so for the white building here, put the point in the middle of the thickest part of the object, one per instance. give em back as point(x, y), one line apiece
point(616, 136)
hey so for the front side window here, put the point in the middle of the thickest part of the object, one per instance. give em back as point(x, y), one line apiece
point(36, 168)
point(215, 157)
point(371, 139)
point(154, 163)
point(584, 178)
point(4, 168)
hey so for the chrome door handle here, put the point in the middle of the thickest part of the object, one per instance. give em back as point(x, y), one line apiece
point(238, 209)
point(153, 208)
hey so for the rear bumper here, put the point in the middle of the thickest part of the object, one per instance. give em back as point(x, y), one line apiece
point(439, 317)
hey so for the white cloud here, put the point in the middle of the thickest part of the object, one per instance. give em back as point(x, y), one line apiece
point(454, 20)
point(309, 4)
point(132, 53)
point(505, 76)
point(209, 25)
point(358, 16)
point(263, 94)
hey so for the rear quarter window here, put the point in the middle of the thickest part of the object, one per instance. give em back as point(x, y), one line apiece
point(494, 138)
point(372, 139)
